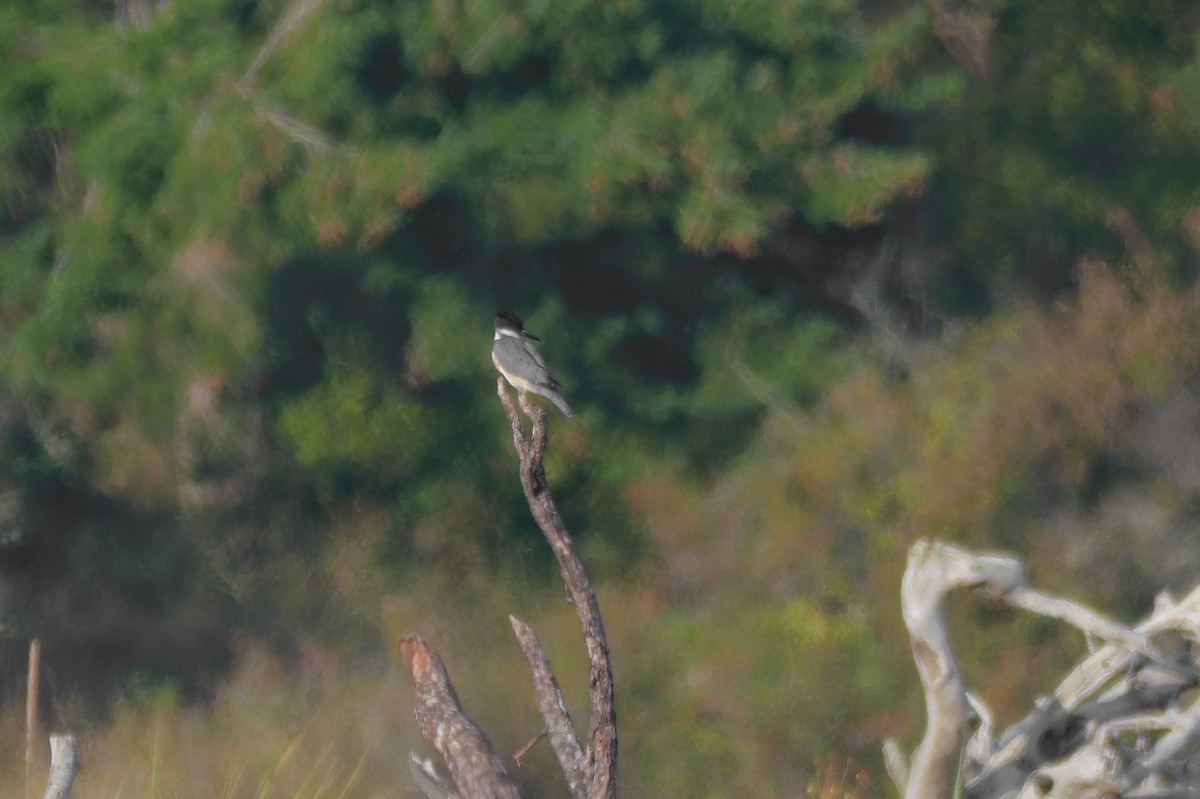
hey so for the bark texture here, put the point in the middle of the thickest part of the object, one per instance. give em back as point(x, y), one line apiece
point(600, 757)
point(476, 770)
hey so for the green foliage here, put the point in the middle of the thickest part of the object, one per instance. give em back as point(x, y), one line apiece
point(353, 422)
point(762, 356)
point(1083, 120)
point(250, 252)
point(449, 333)
point(858, 182)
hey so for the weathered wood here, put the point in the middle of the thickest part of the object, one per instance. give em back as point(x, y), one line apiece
point(591, 773)
point(1110, 689)
point(32, 675)
point(476, 770)
point(64, 766)
point(1080, 617)
point(1182, 732)
point(896, 763)
point(601, 754)
point(559, 727)
point(1076, 744)
point(1083, 775)
point(935, 569)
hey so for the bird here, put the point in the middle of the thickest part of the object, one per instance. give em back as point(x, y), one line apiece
point(520, 362)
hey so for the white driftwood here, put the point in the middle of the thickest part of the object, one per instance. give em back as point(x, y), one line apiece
point(64, 766)
point(1083, 618)
point(1076, 743)
point(1084, 775)
point(896, 763)
point(935, 569)
point(979, 747)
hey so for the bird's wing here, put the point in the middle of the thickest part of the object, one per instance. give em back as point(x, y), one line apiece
point(546, 376)
point(515, 357)
point(537, 355)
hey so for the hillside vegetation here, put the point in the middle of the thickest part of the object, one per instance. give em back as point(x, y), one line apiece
point(820, 277)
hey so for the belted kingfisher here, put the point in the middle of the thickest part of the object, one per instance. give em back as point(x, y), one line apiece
point(521, 363)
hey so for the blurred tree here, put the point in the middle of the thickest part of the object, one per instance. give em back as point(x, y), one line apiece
point(1075, 136)
point(249, 253)
point(169, 169)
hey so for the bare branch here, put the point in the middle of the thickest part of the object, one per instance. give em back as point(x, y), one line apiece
point(935, 569)
point(896, 763)
point(554, 709)
point(979, 747)
point(1138, 687)
point(294, 16)
point(64, 765)
point(473, 764)
point(519, 755)
point(601, 755)
point(1182, 734)
point(32, 678)
point(1084, 618)
point(514, 421)
point(298, 130)
point(1114, 727)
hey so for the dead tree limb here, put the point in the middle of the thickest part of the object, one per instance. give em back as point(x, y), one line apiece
point(1083, 775)
point(1181, 733)
point(473, 764)
point(1077, 742)
point(559, 727)
point(64, 765)
point(1080, 617)
point(32, 678)
point(601, 755)
point(933, 571)
point(1111, 689)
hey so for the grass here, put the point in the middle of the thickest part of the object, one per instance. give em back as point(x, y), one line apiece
point(269, 733)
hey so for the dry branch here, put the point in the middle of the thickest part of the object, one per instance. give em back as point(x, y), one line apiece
point(64, 765)
point(559, 727)
point(1085, 619)
point(600, 762)
point(1071, 746)
point(591, 773)
point(933, 571)
point(32, 677)
point(473, 764)
point(294, 16)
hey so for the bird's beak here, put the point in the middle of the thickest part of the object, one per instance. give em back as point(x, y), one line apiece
point(528, 335)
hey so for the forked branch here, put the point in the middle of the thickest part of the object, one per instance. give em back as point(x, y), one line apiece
point(600, 760)
point(591, 772)
point(559, 728)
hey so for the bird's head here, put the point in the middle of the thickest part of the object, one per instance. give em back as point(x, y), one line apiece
point(509, 324)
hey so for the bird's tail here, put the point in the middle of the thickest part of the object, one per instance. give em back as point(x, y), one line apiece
point(561, 404)
point(554, 396)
